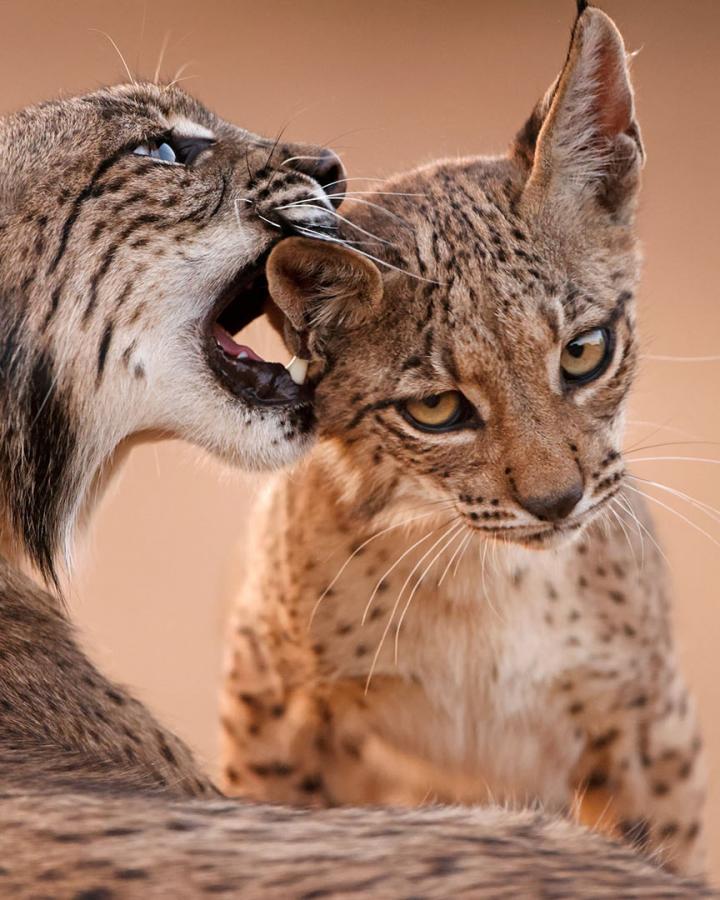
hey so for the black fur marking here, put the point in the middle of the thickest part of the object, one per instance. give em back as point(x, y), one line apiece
point(37, 442)
point(103, 350)
point(97, 278)
point(88, 191)
point(582, 5)
point(54, 303)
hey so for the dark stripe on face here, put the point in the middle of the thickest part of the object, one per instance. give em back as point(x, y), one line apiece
point(223, 191)
point(97, 278)
point(370, 407)
point(88, 191)
point(54, 303)
point(103, 350)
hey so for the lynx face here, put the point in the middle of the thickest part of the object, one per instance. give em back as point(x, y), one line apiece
point(490, 380)
point(134, 228)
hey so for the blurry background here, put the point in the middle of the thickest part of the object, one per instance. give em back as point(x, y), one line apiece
point(390, 83)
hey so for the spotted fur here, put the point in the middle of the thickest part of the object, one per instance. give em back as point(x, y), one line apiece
point(399, 638)
point(106, 265)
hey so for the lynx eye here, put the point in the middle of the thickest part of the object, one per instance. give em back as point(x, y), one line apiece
point(586, 356)
point(163, 151)
point(438, 412)
point(171, 148)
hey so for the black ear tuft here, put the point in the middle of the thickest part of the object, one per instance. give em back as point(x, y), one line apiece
point(582, 5)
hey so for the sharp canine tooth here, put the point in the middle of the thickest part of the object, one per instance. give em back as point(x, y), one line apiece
point(298, 369)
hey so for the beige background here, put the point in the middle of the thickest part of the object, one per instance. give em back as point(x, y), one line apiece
point(389, 84)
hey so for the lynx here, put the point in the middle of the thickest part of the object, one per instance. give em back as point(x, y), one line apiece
point(458, 596)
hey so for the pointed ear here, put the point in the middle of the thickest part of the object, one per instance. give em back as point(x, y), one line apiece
point(320, 285)
point(582, 138)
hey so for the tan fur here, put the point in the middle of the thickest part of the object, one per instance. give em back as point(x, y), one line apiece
point(409, 629)
point(91, 786)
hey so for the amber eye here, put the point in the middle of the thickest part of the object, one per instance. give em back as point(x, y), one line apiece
point(586, 356)
point(438, 412)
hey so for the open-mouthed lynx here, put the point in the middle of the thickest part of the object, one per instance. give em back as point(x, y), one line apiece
point(458, 595)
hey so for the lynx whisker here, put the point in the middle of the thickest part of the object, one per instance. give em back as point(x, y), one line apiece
point(457, 564)
point(392, 568)
point(697, 459)
point(459, 548)
point(161, 57)
point(301, 204)
point(710, 511)
point(359, 549)
point(624, 500)
point(636, 449)
point(393, 611)
point(381, 262)
point(178, 77)
point(118, 51)
point(453, 531)
point(621, 523)
point(675, 512)
point(681, 359)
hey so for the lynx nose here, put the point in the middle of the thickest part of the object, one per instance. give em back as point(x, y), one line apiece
point(553, 507)
point(328, 170)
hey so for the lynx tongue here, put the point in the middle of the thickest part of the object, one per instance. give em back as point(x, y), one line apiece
point(237, 351)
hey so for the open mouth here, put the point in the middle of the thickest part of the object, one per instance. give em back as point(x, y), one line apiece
point(238, 367)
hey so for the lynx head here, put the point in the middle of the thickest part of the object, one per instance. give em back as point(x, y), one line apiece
point(134, 228)
point(491, 379)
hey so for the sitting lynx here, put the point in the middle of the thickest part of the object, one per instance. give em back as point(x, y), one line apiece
point(450, 600)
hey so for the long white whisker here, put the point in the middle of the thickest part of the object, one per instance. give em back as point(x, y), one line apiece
point(639, 527)
point(322, 237)
point(392, 569)
point(452, 531)
point(363, 194)
point(391, 615)
point(117, 50)
point(620, 522)
point(681, 359)
point(636, 449)
point(644, 527)
point(359, 549)
point(353, 199)
point(658, 426)
point(709, 510)
point(274, 224)
point(337, 215)
point(698, 459)
point(460, 558)
point(161, 58)
point(678, 514)
point(459, 548)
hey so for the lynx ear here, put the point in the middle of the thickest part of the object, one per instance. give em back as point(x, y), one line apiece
point(582, 138)
point(319, 285)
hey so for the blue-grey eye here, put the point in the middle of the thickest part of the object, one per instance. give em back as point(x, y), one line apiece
point(162, 151)
point(173, 148)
